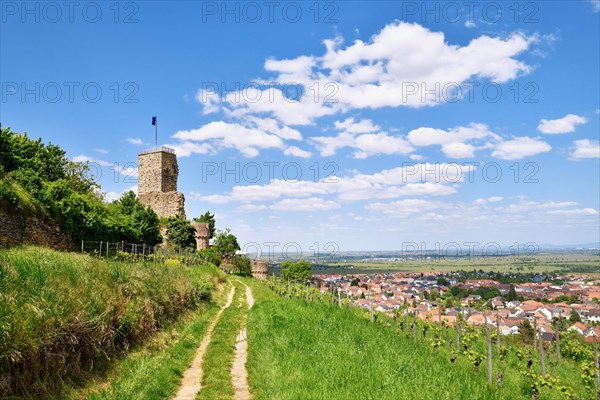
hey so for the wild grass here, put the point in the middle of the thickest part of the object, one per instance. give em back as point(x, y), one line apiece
point(216, 382)
point(154, 370)
point(308, 350)
point(63, 314)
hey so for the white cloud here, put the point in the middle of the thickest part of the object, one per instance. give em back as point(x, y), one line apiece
point(135, 141)
point(186, 148)
point(520, 147)
point(398, 66)
point(414, 180)
point(219, 134)
point(586, 148)
point(404, 207)
point(297, 152)
point(595, 5)
point(309, 204)
point(566, 124)
point(458, 150)
point(576, 212)
point(493, 199)
point(362, 136)
point(431, 136)
point(101, 151)
point(351, 126)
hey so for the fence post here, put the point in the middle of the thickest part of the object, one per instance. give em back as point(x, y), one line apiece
point(106, 249)
point(101, 248)
point(81, 246)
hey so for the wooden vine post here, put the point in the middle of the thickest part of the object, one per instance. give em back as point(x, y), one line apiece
point(497, 329)
point(542, 358)
point(489, 350)
point(458, 318)
point(597, 367)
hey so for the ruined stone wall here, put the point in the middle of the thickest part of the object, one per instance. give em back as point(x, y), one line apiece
point(165, 205)
point(21, 230)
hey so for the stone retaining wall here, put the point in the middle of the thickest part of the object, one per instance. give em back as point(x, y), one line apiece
point(20, 230)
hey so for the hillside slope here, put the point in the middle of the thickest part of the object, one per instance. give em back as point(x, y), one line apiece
point(308, 350)
point(62, 314)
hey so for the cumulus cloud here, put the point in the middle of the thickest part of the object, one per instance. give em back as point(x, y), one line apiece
point(398, 66)
point(297, 152)
point(413, 180)
point(362, 136)
point(247, 139)
point(458, 150)
point(493, 199)
point(481, 211)
point(585, 148)
point(520, 147)
point(566, 124)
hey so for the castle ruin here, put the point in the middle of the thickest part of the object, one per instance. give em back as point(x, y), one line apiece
point(157, 188)
point(157, 182)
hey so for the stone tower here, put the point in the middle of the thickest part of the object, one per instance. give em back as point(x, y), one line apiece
point(157, 182)
point(202, 235)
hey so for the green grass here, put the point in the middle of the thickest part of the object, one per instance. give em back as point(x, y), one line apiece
point(216, 382)
point(301, 350)
point(154, 370)
point(63, 315)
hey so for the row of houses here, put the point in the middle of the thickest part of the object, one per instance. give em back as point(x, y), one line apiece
point(387, 293)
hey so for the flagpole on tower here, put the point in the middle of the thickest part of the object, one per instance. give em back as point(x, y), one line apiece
point(155, 123)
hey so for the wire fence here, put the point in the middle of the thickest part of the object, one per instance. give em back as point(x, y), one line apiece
point(124, 251)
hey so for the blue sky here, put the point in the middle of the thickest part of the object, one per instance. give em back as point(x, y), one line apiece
point(380, 123)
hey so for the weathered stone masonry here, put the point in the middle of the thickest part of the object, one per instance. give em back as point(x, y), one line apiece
point(157, 182)
point(30, 230)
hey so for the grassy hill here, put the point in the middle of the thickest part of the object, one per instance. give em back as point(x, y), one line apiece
point(63, 315)
point(309, 350)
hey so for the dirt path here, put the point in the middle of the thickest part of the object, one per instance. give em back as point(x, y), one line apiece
point(239, 373)
point(191, 382)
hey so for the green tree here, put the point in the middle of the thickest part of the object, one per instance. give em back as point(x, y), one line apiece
point(242, 264)
point(210, 219)
point(526, 331)
point(226, 244)
point(296, 271)
point(574, 317)
point(512, 293)
point(181, 232)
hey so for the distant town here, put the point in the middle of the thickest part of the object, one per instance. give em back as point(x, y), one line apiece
point(511, 301)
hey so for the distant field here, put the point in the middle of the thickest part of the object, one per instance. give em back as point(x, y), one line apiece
point(542, 263)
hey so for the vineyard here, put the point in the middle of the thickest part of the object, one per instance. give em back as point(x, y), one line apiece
point(399, 355)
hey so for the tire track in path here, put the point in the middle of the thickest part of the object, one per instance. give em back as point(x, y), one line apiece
point(191, 382)
point(239, 373)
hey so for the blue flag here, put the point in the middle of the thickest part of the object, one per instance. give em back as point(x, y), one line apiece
point(153, 120)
